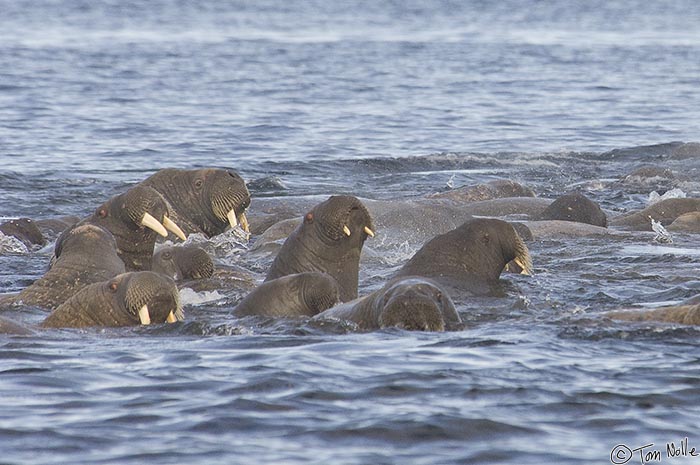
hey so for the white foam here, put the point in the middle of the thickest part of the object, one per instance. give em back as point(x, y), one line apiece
point(11, 245)
point(674, 193)
point(190, 297)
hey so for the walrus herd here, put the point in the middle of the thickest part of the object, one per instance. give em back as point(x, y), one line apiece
point(108, 269)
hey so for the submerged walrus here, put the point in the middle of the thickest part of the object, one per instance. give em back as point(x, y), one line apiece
point(575, 207)
point(301, 294)
point(87, 254)
point(471, 257)
point(329, 240)
point(183, 262)
point(681, 314)
point(135, 218)
point(25, 230)
point(129, 299)
point(205, 201)
point(665, 211)
point(412, 303)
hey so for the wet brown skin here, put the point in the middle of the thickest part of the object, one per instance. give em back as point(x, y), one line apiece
point(665, 211)
point(25, 230)
point(117, 302)
point(320, 244)
point(577, 208)
point(200, 198)
point(183, 262)
point(87, 254)
point(121, 215)
point(296, 295)
point(411, 303)
point(471, 257)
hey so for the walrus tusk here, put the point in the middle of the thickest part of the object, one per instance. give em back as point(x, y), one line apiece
point(174, 228)
point(231, 215)
point(171, 318)
point(369, 232)
point(244, 223)
point(152, 223)
point(526, 267)
point(144, 316)
point(346, 230)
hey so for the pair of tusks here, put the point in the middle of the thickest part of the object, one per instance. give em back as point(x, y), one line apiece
point(233, 220)
point(168, 225)
point(526, 269)
point(369, 232)
point(145, 316)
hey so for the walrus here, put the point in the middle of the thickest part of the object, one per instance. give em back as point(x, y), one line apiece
point(206, 201)
point(51, 228)
point(135, 218)
point(665, 211)
point(129, 299)
point(87, 254)
point(329, 240)
point(575, 207)
point(681, 314)
point(471, 257)
point(495, 189)
point(25, 230)
point(687, 222)
point(411, 303)
point(294, 295)
point(10, 327)
point(183, 262)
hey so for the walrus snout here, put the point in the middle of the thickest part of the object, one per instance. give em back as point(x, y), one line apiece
point(412, 313)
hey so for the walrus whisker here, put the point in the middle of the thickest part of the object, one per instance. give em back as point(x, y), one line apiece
point(150, 222)
point(174, 228)
point(144, 315)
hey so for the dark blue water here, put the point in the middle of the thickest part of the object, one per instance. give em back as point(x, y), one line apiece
point(385, 100)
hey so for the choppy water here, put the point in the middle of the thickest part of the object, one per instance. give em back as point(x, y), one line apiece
point(381, 100)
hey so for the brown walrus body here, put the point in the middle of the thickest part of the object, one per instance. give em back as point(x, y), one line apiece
point(470, 258)
point(329, 240)
point(411, 303)
point(136, 218)
point(295, 295)
point(128, 299)
point(87, 254)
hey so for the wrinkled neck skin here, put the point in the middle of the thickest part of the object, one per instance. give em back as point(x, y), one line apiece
point(95, 305)
point(306, 249)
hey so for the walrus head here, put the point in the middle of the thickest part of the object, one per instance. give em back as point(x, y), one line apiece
point(23, 229)
point(417, 304)
point(341, 218)
point(137, 209)
point(470, 257)
point(183, 262)
point(147, 297)
point(207, 200)
point(575, 207)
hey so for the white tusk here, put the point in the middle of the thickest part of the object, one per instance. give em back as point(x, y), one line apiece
point(526, 270)
point(244, 223)
point(152, 223)
point(346, 230)
point(231, 215)
point(144, 316)
point(174, 228)
point(171, 318)
point(369, 232)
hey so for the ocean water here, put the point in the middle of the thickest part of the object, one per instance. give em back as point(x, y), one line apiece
point(383, 100)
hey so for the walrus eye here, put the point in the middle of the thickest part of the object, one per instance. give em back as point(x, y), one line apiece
point(485, 238)
point(167, 255)
point(113, 287)
point(198, 183)
point(102, 213)
point(309, 217)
